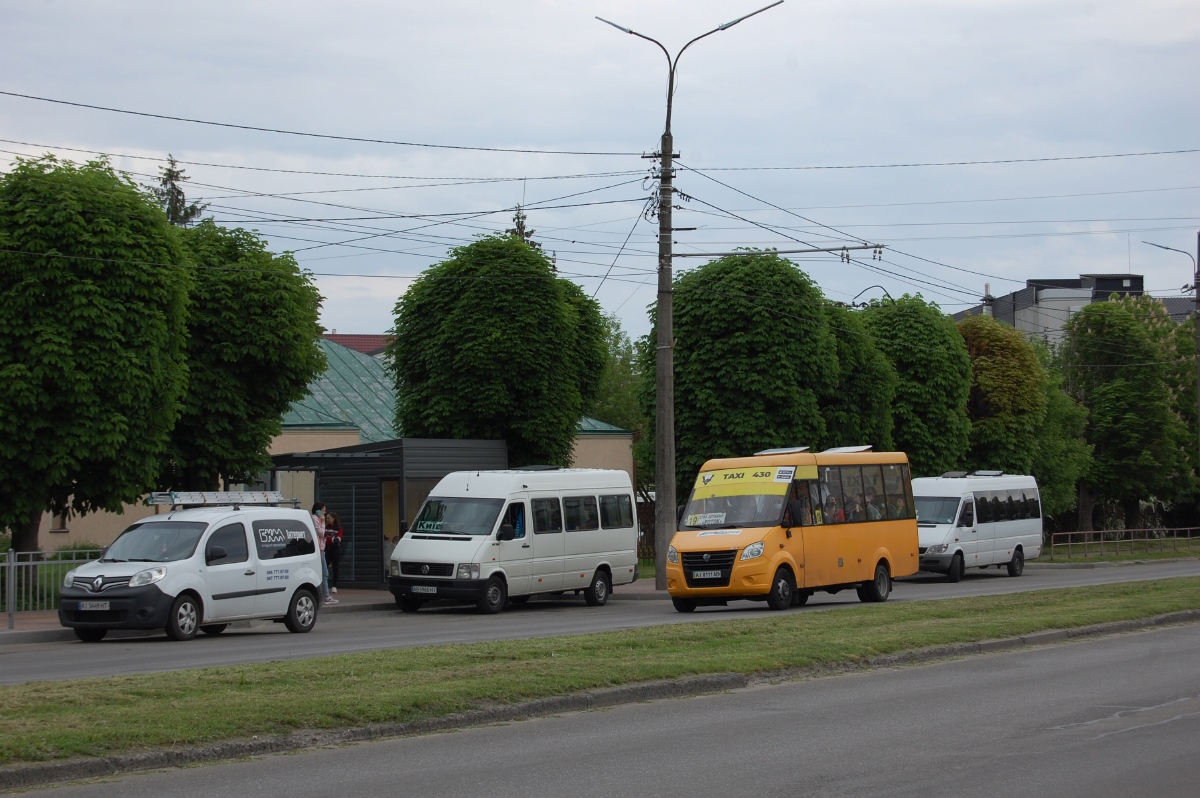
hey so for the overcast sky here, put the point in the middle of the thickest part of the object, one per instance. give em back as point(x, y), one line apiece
point(765, 108)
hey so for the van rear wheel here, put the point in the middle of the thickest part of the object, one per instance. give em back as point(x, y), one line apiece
point(1016, 566)
point(596, 594)
point(782, 588)
point(302, 612)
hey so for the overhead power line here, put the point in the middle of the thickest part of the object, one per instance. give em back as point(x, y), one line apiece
point(947, 163)
point(307, 134)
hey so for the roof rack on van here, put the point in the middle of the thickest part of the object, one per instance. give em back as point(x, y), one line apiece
point(988, 474)
point(208, 498)
point(538, 468)
point(847, 449)
point(783, 450)
point(954, 475)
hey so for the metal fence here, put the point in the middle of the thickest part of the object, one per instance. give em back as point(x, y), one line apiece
point(1065, 545)
point(30, 580)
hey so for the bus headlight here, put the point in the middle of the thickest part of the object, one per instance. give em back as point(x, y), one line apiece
point(148, 577)
point(672, 555)
point(468, 570)
point(752, 551)
point(938, 549)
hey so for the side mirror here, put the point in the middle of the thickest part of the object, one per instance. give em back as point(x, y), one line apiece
point(215, 554)
point(505, 533)
point(403, 528)
point(795, 512)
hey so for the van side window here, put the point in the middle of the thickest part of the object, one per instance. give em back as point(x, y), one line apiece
point(232, 538)
point(547, 516)
point(282, 538)
point(1018, 499)
point(967, 517)
point(616, 512)
point(515, 515)
point(580, 513)
point(983, 509)
point(1035, 511)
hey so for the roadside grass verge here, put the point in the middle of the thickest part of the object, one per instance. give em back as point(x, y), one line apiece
point(49, 720)
point(1077, 556)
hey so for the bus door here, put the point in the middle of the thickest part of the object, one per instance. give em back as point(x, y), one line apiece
point(821, 540)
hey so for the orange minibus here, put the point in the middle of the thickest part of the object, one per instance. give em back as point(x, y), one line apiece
point(782, 524)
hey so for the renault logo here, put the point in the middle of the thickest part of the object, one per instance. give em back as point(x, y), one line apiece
point(707, 557)
point(424, 569)
point(97, 583)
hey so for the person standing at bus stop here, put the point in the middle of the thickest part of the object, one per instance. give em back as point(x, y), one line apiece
point(318, 519)
point(333, 547)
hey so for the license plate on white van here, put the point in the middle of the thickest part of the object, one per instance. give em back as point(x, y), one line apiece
point(84, 606)
point(424, 588)
point(706, 574)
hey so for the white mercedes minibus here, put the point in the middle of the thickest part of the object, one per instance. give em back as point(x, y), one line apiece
point(976, 521)
point(494, 537)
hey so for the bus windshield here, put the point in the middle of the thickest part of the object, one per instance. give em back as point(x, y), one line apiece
point(751, 509)
point(936, 509)
point(458, 516)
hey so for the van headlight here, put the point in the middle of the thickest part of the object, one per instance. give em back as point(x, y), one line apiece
point(468, 570)
point(752, 551)
point(672, 555)
point(69, 579)
point(394, 568)
point(148, 577)
point(938, 549)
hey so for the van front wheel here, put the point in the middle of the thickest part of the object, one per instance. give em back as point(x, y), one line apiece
point(184, 620)
point(302, 612)
point(495, 596)
point(782, 588)
point(90, 635)
point(597, 592)
point(957, 566)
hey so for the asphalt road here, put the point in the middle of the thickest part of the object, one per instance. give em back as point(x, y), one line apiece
point(1118, 716)
point(369, 631)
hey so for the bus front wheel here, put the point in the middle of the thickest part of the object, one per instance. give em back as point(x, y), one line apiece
point(684, 604)
point(782, 588)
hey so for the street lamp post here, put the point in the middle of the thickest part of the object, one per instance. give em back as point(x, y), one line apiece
point(1196, 288)
point(664, 383)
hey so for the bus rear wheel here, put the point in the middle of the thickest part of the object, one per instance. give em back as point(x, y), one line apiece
point(879, 588)
point(782, 588)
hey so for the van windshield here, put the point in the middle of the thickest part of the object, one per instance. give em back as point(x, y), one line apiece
point(458, 516)
point(166, 541)
point(751, 509)
point(936, 509)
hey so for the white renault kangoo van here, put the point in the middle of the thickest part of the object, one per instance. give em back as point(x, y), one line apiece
point(200, 569)
point(494, 537)
point(976, 521)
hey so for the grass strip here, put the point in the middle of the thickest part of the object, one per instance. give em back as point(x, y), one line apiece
point(48, 720)
point(1078, 557)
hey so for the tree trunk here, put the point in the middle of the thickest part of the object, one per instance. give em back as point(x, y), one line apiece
point(1133, 513)
point(25, 537)
point(1087, 508)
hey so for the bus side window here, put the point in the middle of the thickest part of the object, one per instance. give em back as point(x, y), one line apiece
point(967, 517)
point(813, 489)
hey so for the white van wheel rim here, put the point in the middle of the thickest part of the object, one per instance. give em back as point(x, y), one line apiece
point(601, 587)
point(186, 618)
point(306, 610)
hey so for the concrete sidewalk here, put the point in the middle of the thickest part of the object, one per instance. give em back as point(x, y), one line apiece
point(43, 627)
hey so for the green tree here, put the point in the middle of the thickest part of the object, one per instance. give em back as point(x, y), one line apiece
point(1062, 456)
point(859, 408)
point(1007, 401)
point(490, 344)
point(253, 335)
point(172, 198)
point(93, 303)
point(930, 358)
point(617, 399)
point(1116, 370)
point(752, 358)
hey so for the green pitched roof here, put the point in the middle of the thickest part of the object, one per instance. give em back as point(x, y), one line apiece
point(354, 392)
point(591, 426)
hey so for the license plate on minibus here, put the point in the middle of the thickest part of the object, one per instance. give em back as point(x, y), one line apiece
point(84, 606)
point(424, 588)
point(706, 574)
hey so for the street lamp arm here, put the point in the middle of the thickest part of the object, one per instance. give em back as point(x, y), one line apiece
point(1172, 249)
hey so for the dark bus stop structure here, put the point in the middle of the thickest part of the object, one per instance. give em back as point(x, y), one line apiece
point(375, 488)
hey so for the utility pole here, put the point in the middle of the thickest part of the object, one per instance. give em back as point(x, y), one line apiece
point(664, 380)
point(1195, 287)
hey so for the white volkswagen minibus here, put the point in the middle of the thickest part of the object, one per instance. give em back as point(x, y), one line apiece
point(976, 521)
point(491, 537)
